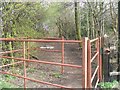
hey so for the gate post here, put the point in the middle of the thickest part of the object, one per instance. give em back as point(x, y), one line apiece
point(89, 85)
point(100, 60)
point(62, 67)
point(24, 52)
point(84, 62)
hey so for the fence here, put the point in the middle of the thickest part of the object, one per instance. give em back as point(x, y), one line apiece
point(87, 77)
point(98, 68)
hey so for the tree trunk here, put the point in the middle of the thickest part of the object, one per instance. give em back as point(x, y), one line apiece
point(77, 23)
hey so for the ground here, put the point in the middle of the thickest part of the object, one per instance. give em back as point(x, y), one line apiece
point(72, 77)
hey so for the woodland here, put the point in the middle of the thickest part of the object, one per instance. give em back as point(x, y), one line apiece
point(72, 20)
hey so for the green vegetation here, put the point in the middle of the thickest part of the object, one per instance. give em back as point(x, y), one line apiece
point(30, 70)
point(4, 84)
point(57, 75)
point(108, 84)
point(72, 20)
point(8, 77)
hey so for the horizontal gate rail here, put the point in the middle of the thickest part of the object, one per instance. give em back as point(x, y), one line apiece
point(11, 64)
point(44, 62)
point(40, 40)
point(34, 80)
point(12, 51)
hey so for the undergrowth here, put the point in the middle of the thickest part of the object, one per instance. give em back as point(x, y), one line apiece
point(109, 85)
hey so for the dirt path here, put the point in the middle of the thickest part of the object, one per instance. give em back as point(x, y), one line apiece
point(72, 77)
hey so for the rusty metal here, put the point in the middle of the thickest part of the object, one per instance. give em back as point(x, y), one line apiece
point(97, 83)
point(12, 51)
point(95, 72)
point(24, 52)
point(100, 60)
point(11, 64)
point(62, 68)
point(28, 50)
point(39, 40)
point(94, 40)
point(38, 48)
point(44, 62)
point(96, 54)
point(34, 80)
point(90, 60)
point(51, 38)
point(86, 59)
point(89, 85)
point(84, 62)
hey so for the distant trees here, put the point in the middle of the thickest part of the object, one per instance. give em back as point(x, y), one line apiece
point(71, 20)
point(21, 19)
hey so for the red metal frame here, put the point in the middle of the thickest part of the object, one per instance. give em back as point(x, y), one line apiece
point(87, 77)
point(98, 69)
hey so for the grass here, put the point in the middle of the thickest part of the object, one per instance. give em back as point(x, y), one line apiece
point(57, 75)
point(4, 83)
point(8, 77)
point(31, 70)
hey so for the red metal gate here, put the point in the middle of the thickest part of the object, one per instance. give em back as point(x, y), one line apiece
point(87, 78)
point(97, 72)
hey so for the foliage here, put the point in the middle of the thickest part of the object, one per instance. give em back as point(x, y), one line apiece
point(31, 70)
point(4, 83)
point(57, 75)
point(21, 20)
point(108, 84)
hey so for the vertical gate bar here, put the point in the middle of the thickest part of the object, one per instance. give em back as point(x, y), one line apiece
point(28, 47)
point(97, 44)
point(100, 60)
point(28, 53)
point(62, 67)
point(24, 65)
point(84, 62)
point(89, 65)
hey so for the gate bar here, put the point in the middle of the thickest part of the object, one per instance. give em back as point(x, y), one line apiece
point(62, 53)
point(34, 80)
point(44, 62)
point(24, 52)
point(89, 65)
point(11, 64)
point(84, 62)
point(40, 40)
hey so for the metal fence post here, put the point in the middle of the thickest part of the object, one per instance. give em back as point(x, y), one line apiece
point(24, 52)
point(62, 67)
point(84, 62)
point(89, 65)
point(28, 53)
point(100, 60)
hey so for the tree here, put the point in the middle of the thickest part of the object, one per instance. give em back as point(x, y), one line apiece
point(77, 24)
